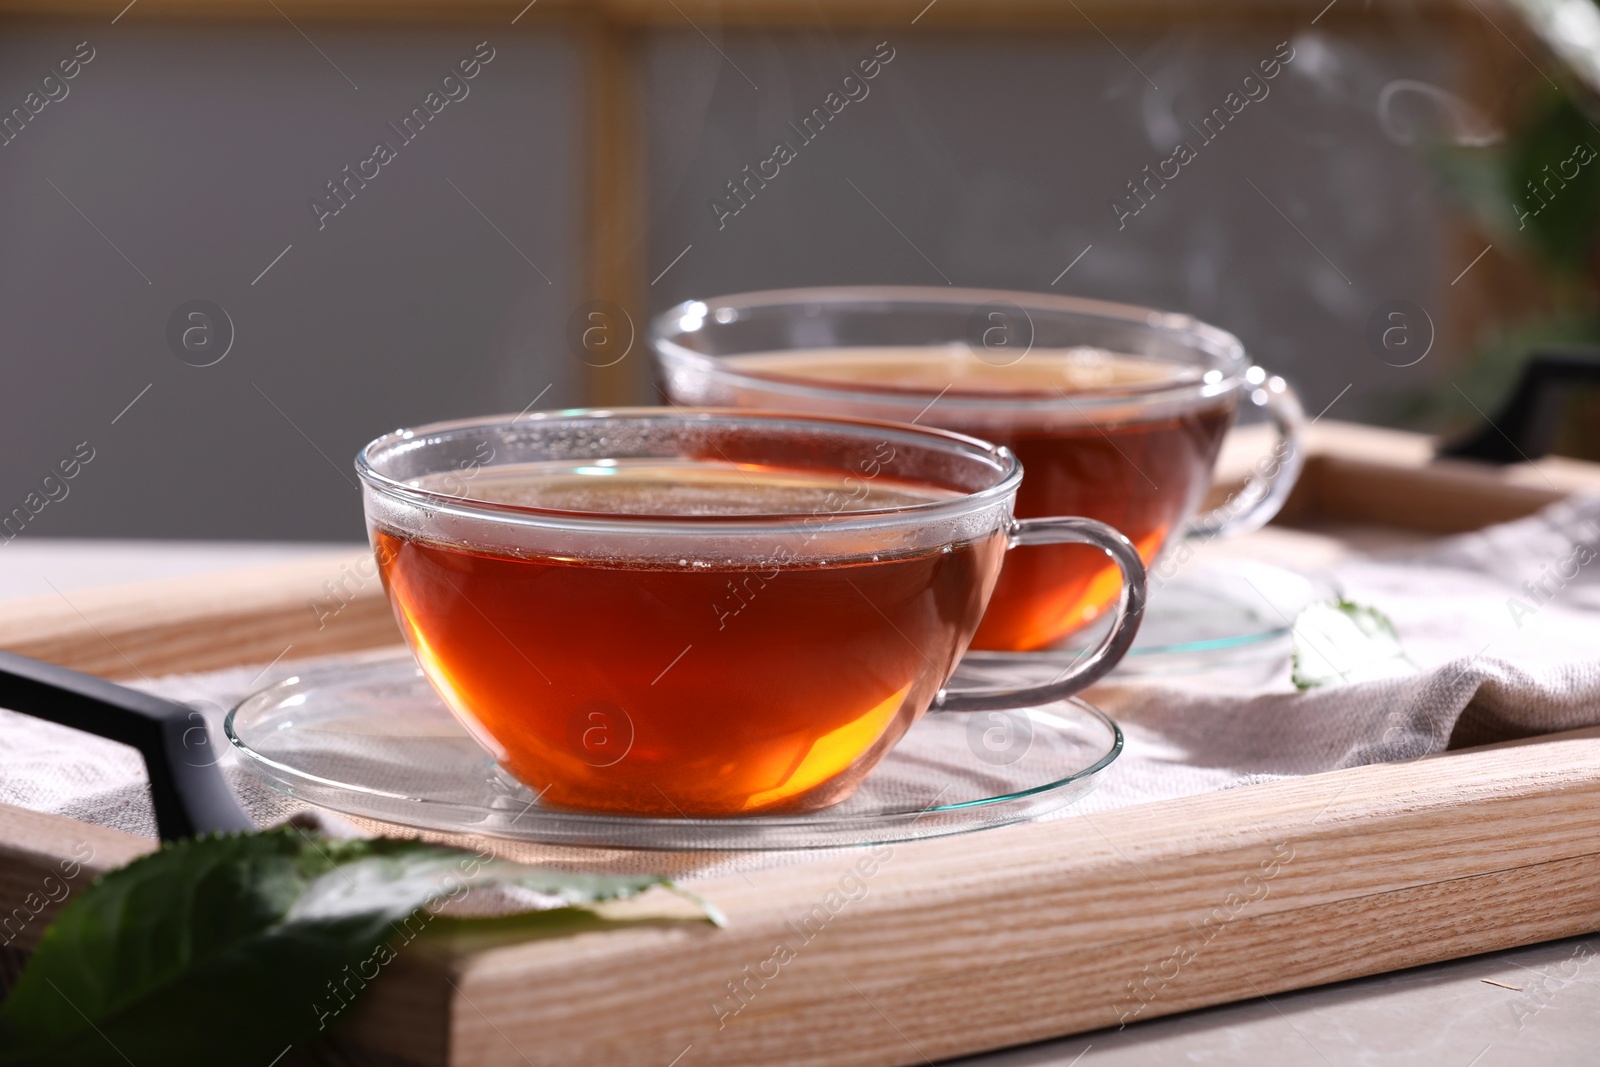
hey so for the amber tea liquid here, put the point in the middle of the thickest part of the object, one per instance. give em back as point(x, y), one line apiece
point(1143, 476)
point(685, 685)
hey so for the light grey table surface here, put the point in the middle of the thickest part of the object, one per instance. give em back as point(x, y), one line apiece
point(1534, 1005)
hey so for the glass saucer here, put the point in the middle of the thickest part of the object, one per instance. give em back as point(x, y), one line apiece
point(1211, 615)
point(374, 741)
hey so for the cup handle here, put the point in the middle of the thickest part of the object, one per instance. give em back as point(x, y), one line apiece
point(1275, 473)
point(1106, 655)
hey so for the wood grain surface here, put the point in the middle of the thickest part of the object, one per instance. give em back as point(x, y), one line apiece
point(965, 944)
point(911, 952)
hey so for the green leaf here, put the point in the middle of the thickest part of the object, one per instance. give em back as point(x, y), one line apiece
point(232, 948)
point(1340, 641)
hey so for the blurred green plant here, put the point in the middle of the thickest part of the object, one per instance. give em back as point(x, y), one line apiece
point(1538, 190)
point(1536, 193)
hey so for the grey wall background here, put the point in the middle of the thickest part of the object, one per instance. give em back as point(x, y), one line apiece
point(195, 150)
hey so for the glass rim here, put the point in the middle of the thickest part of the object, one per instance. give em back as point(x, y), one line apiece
point(1213, 340)
point(1008, 473)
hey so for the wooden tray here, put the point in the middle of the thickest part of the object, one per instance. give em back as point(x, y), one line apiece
point(960, 944)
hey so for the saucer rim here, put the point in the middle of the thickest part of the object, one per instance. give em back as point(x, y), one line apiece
point(569, 826)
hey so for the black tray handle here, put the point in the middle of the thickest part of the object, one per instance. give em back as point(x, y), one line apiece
point(191, 797)
point(1526, 425)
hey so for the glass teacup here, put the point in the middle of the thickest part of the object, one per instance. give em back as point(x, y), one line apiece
point(703, 613)
point(1116, 412)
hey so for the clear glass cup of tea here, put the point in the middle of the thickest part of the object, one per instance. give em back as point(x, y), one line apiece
point(704, 613)
point(1116, 412)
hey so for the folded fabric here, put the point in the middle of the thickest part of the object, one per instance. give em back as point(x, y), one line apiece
point(1502, 623)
